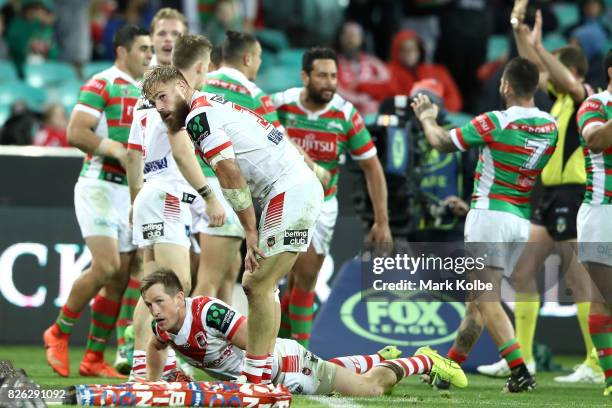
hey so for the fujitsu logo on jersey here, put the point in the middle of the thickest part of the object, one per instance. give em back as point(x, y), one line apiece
point(312, 143)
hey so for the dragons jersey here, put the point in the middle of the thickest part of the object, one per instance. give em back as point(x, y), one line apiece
point(235, 87)
point(515, 145)
point(110, 96)
point(268, 162)
point(596, 111)
point(325, 135)
point(150, 136)
point(205, 337)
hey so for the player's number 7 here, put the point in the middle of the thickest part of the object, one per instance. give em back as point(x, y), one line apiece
point(538, 147)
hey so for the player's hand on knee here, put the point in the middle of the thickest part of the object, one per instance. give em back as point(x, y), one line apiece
point(253, 251)
point(215, 212)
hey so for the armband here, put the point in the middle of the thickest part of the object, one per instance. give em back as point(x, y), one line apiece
point(239, 198)
point(227, 153)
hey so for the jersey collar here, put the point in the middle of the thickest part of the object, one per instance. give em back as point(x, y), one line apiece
point(232, 73)
point(124, 75)
point(309, 113)
point(183, 335)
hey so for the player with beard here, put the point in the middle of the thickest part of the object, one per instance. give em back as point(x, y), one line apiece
point(515, 145)
point(212, 336)
point(325, 126)
point(242, 148)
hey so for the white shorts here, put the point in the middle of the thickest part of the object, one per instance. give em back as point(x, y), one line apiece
point(301, 371)
point(231, 227)
point(161, 217)
point(594, 224)
point(288, 219)
point(102, 209)
point(324, 228)
point(499, 235)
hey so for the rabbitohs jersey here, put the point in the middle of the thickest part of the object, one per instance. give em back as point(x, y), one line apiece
point(205, 337)
point(149, 135)
point(268, 162)
point(515, 145)
point(110, 96)
point(596, 111)
point(325, 135)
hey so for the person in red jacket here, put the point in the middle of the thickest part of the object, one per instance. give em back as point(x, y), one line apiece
point(407, 66)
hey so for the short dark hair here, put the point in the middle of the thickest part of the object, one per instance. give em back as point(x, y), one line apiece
point(235, 45)
point(216, 56)
point(523, 76)
point(572, 57)
point(126, 35)
point(316, 53)
point(189, 49)
point(160, 74)
point(168, 279)
point(607, 63)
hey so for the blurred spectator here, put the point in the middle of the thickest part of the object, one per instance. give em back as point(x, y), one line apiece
point(20, 127)
point(100, 12)
point(590, 10)
point(465, 26)
point(30, 34)
point(4, 50)
point(73, 32)
point(225, 18)
point(53, 130)
point(363, 79)
point(135, 12)
point(408, 66)
point(379, 18)
point(422, 16)
point(214, 12)
point(10, 10)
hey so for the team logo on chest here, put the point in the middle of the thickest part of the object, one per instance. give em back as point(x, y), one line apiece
point(200, 339)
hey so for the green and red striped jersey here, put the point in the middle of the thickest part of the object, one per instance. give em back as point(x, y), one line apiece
point(110, 96)
point(515, 145)
point(235, 87)
point(327, 134)
point(596, 111)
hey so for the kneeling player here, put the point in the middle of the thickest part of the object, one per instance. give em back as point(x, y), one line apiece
point(212, 336)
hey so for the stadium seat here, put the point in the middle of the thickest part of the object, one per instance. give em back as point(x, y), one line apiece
point(274, 40)
point(14, 91)
point(497, 46)
point(49, 73)
point(278, 78)
point(8, 72)
point(291, 58)
point(567, 14)
point(553, 41)
point(67, 94)
point(94, 67)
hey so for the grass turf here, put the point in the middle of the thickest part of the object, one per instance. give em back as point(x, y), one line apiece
point(482, 391)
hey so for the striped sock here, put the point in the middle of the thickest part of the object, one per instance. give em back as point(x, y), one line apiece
point(511, 352)
point(582, 313)
point(66, 320)
point(285, 324)
point(266, 375)
point(139, 364)
point(526, 311)
point(456, 356)
point(403, 367)
point(357, 364)
point(103, 317)
point(253, 368)
point(300, 315)
point(128, 304)
point(600, 327)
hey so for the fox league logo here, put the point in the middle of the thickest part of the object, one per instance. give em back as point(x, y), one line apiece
point(153, 230)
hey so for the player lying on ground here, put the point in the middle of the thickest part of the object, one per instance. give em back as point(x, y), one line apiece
point(212, 336)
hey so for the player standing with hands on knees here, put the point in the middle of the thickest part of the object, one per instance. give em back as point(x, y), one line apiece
point(515, 144)
point(251, 159)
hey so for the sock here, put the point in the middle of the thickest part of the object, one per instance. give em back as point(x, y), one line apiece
point(357, 364)
point(103, 317)
point(511, 352)
point(403, 367)
point(582, 313)
point(285, 325)
point(300, 315)
point(456, 356)
point(266, 375)
point(600, 327)
point(253, 368)
point(139, 364)
point(526, 311)
point(66, 320)
point(128, 304)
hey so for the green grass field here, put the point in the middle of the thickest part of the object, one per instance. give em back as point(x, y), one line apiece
point(482, 391)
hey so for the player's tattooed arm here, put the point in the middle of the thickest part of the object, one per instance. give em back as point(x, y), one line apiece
point(155, 359)
point(426, 112)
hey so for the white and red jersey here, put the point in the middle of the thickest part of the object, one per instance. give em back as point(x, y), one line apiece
point(149, 135)
point(205, 337)
point(269, 163)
